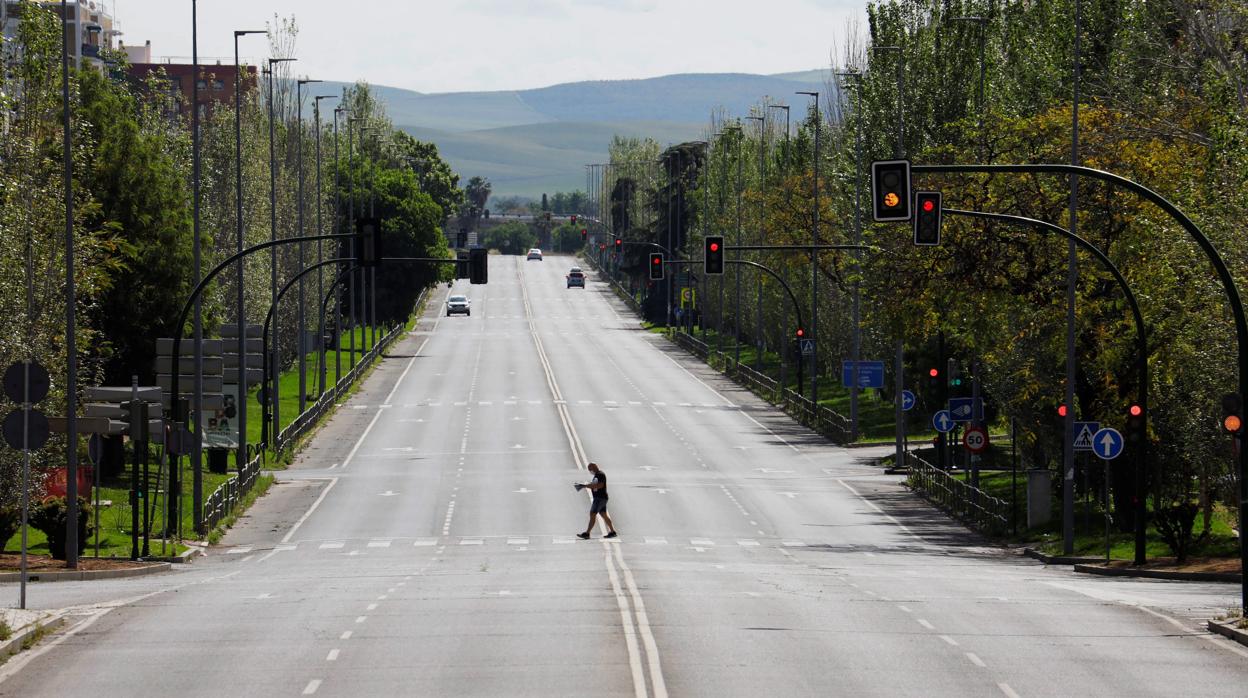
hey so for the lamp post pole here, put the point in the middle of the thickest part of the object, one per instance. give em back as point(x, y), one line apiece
point(240, 456)
point(301, 341)
point(814, 265)
point(335, 227)
point(856, 349)
point(762, 177)
point(351, 227)
point(71, 302)
point(197, 453)
point(274, 368)
point(784, 311)
point(323, 372)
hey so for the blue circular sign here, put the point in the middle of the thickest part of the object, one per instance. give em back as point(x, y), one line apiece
point(1107, 443)
point(907, 400)
point(943, 422)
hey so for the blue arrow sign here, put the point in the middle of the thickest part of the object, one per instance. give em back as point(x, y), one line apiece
point(907, 400)
point(965, 409)
point(870, 374)
point(1107, 443)
point(942, 421)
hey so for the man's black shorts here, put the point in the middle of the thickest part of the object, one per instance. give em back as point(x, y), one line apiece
point(598, 506)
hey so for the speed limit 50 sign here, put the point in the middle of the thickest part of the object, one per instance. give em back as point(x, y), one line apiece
point(975, 440)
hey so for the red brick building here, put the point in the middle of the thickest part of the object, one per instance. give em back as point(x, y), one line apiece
point(216, 83)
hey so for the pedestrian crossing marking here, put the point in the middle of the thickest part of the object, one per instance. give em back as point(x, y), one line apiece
point(379, 544)
point(702, 542)
point(238, 551)
point(748, 543)
point(331, 546)
point(655, 541)
point(425, 542)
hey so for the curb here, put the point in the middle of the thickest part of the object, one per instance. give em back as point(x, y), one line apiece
point(13, 645)
point(1160, 574)
point(1058, 559)
point(86, 575)
point(1226, 629)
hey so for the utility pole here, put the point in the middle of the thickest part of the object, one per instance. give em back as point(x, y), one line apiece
point(762, 206)
point(814, 265)
point(1072, 280)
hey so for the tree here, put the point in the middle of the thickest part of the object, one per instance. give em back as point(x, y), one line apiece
point(478, 192)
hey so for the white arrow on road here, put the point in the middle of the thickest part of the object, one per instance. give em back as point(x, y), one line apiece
point(648, 467)
point(388, 493)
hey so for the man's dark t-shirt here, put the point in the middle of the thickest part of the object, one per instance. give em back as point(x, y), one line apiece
point(601, 493)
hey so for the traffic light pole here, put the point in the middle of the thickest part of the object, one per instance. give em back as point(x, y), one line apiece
point(1141, 352)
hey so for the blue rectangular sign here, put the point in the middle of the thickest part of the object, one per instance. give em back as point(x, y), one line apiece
point(965, 409)
point(870, 374)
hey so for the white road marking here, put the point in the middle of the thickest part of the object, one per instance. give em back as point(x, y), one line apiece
point(387, 493)
point(655, 541)
point(330, 546)
point(332, 656)
point(904, 608)
point(379, 543)
point(793, 544)
point(315, 504)
point(703, 542)
point(311, 687)
point(249, 558)
point(790, 495)
point(371, 607)
point(346, 635)
point(471, 541)
point(523, 490)
point(425, 542)
point(517, 541)
point(238, 551)
point(975, 659)
point(888, 516)
point(748, 543)
point(1009, 692)
point(926, 624)
point(949, 640)
point(361, 619)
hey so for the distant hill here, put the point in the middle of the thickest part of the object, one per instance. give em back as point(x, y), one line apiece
point(531, 141)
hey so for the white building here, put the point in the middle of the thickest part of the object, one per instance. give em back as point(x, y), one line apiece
point(91, 26)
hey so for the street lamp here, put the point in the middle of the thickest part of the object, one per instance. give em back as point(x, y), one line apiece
point(856, 351)
point(301, 343)
point(275, 401)
point(762, 206)
point(784, 313)
point(320, 252)
point(814, 263)
point(336, 228)
point(240, 456)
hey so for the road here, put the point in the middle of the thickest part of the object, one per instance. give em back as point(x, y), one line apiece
point(423, 545)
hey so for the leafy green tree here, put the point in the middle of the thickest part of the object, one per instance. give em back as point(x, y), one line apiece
point(512, 237)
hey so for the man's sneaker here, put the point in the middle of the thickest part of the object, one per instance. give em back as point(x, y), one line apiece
point(610, 535)
point(583, 536)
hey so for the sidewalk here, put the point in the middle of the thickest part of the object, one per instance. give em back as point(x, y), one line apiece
point(25, 624)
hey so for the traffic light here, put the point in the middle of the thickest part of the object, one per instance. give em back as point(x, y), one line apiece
point(619, 243)
point(584, 234)
point(927, 218)
point(136, 419)
point(1061, 411)
point(368, 242)
point(713, 257)
point(656, 266)
point(890, 190)
point(479, 265)
point(955, 378)
point(573, 219)
point(933, 378)
point(1135, 424)
point(1232, 413)
point(800, 333)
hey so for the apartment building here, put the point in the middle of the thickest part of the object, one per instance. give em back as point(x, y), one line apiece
point(91, 27)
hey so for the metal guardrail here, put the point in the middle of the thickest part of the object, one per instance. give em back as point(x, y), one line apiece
point(972, 506)
point(222, 501)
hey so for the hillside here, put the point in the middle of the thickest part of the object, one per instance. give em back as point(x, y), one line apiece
point(532, 141)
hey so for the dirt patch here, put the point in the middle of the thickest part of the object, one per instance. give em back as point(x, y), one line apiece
point(11, 562)
point(1227, 565)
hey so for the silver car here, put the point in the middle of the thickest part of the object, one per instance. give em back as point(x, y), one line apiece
point(458, 304)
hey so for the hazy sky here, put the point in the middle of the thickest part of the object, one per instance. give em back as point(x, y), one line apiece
point(462, 45)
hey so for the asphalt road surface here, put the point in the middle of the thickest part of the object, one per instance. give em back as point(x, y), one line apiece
point(423, 545)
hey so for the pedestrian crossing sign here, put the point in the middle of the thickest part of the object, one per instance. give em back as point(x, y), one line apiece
point(1083, 435)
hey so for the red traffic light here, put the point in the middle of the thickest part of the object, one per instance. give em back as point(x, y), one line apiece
point(1061, 410)
point(714, 247)
point(800, 333)
point(1135, 410)
point(602, 245)
point(929, 205)
point(656, 259)
point(573, 217)
point(934, 372)
point(619, 242)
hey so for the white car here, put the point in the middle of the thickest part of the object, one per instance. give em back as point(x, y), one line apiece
point(458, 304)
point(534, 253)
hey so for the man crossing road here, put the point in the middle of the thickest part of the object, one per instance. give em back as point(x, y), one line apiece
point(599, 503)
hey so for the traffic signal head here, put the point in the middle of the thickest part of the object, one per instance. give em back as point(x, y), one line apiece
point(619, 242)
point(1135, 424)
point(890, 190)
point(656, 266)
point(934, 372)
point(927, 218)
point(479, 265)
point(799, 333)
point(368, 242)
point(1232, 413)
point(713, 255)
point(1061, 411)
point(584, 234)
point(573, 219)
point(955, 378)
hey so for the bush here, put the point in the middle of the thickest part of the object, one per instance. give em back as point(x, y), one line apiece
point(50, 515)
point(10, 523)
point(1174, 525)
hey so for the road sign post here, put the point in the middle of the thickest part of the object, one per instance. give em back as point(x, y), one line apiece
point(975, 439)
